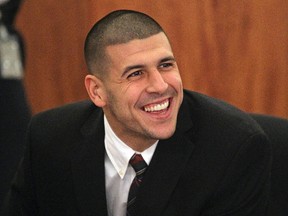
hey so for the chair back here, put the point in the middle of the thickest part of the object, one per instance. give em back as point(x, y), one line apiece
point(277, 131)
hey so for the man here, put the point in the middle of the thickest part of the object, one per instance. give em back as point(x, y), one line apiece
point(204, 156)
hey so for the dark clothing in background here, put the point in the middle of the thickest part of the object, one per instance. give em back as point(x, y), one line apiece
point(14, 110)
point(14, 117)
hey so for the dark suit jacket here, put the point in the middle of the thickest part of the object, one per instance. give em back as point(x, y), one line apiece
point(217, 163)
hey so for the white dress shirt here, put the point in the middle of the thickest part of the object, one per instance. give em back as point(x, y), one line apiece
point(118, 173)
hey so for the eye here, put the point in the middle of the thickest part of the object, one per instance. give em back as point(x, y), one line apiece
point(135, 74)
point(166, 65)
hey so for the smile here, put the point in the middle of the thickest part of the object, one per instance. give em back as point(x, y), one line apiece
point(157, 107)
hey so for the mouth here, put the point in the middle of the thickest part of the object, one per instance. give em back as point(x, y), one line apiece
point(157, 107)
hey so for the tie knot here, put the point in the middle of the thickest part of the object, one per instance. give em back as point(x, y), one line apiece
point(138, 163)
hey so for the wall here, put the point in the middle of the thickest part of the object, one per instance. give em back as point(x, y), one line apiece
point(233, 50)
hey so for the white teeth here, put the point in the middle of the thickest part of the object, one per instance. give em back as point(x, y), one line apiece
point(157, 107)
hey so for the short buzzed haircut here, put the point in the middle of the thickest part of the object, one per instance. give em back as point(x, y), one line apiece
point(117, 27)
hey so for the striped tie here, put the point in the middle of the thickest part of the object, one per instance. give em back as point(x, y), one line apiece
point(139, 165)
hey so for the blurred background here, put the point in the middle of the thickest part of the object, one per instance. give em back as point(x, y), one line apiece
point(233, 50)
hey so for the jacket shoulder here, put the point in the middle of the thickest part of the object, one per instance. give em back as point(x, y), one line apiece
point(216, 113)
point(70, 116)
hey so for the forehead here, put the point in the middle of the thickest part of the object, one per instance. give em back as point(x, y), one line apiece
point(156, 46)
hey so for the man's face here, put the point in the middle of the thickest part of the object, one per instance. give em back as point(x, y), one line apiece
point(143, 91)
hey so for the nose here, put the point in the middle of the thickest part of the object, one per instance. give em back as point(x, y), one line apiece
point(156, 82)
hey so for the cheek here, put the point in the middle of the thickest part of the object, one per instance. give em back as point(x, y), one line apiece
point(123, 100)
point(132, 92)
point(174, 79)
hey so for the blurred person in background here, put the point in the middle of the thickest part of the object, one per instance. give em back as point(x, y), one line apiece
point(14, 110)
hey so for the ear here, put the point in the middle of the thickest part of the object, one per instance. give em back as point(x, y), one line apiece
point(95, 89)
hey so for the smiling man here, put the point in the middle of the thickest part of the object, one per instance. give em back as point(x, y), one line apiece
point(142, 92)
point(142, 145)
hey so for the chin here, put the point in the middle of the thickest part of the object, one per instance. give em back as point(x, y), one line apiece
point(164, 134)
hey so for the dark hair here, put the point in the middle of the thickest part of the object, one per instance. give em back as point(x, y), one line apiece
point(117, 27)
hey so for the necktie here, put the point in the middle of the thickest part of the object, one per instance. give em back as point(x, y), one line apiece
point(139, 165)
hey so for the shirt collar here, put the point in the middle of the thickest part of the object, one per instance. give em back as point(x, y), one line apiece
point(119, 153)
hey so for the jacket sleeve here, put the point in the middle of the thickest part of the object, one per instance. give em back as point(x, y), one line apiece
point(244, 190)
point(21, 198)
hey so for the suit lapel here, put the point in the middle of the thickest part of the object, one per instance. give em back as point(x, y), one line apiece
point(166, 167)
point(162, 175)
point(88, 167)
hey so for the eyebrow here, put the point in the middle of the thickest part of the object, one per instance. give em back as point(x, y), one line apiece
point(133, 67)
point(169, 58)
